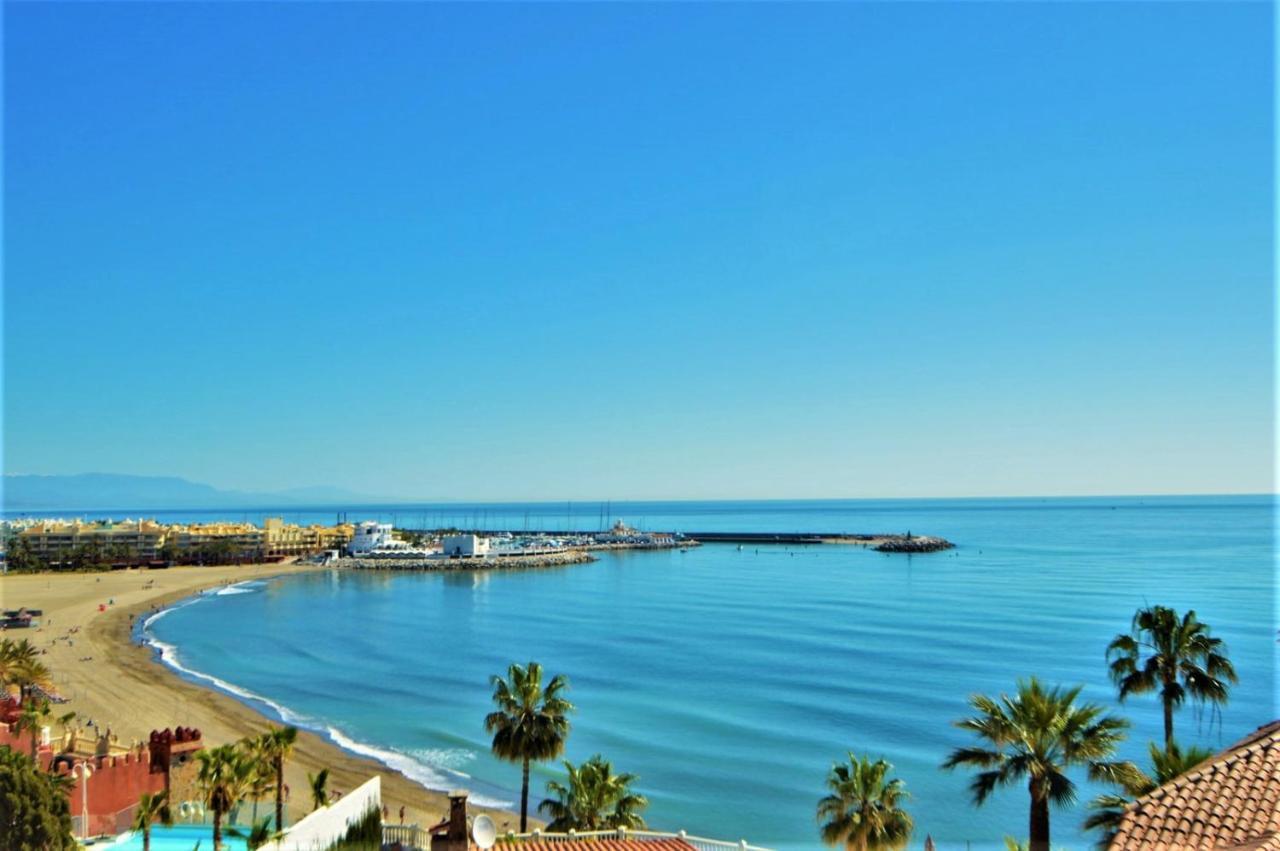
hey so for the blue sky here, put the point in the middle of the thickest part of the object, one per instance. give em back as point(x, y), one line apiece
point(584, 251)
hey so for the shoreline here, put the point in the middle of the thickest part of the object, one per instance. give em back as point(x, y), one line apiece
point(125, 686)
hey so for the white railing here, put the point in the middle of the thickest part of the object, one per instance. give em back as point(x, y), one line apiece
point(327, 825)
point(698, 842)
point(405, 835)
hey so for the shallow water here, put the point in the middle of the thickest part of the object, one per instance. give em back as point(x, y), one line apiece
point(729, 680)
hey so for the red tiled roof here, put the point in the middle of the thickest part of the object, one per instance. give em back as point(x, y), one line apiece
point(1229, 803)
point(589, 844)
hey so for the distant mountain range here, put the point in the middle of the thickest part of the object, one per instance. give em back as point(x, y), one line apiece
point(99, 491)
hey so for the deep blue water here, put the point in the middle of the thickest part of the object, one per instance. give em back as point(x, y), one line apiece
point(730, 680)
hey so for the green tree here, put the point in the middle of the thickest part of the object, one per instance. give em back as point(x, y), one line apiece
point(531, 722)
point(34, 716)
point(1174, 655)
point(1167, 764)
point(319, 783)
point(276, 745)
point(152, 809)
point(259, 834)
point(1035, 736)
point(864, 810)
point(28, 675)
point(225, 773)
point(20, 558)
point(593, 799)
point(263, 780)
point(34, 813)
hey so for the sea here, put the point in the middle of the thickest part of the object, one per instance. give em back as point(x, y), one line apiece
point(729, 679)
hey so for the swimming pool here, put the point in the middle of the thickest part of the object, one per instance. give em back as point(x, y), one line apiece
point(180, 837)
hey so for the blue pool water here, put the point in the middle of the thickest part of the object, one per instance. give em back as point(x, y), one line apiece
point(176, 838)
point(729, 680)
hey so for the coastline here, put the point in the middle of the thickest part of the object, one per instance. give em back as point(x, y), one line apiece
point(126, 688)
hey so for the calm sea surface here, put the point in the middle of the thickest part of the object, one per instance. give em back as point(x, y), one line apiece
point(729, 680)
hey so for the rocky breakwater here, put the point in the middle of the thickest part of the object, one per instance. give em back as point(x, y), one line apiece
point(913, 544)
point(490, 562)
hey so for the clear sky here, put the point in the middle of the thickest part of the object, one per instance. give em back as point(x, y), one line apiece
point(597, 251)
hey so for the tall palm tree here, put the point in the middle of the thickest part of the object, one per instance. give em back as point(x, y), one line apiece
point(1036, 736)
point(531, 722)
point(319, 788)
point(1181, 660)
point(594, 799)
point(264, 776)
point(1167, 764)
point(276, 745)
point(864, 810)
point(152, 809)
point(225, 773)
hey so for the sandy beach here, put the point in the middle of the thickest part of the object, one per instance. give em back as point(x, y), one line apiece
point(117, 683)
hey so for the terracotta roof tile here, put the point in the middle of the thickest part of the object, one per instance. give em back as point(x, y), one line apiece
point(594, 844)
point(1229, 803)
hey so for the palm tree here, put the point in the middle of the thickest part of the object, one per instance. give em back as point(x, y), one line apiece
point(1035, 736)
point(319, 788)
point(531, 722)
point(259, 834)
point(151, 809)
point(594, 799)
point(276, 745)
point(23, 668)
point(264, 776)
point(1182, 660)
point(225, 773)
point(864, 810)
point(33, 717)
point(1166, 764)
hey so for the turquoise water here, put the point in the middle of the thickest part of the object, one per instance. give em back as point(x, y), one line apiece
point(180, 837)
point(730, 680)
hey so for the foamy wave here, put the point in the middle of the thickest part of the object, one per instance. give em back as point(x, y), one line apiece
point(433, 768)
point(433, 776)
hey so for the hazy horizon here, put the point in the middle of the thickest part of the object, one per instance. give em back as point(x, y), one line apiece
point(390, 500)
point(619, 251)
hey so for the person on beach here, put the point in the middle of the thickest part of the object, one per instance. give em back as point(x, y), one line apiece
point(402, 813)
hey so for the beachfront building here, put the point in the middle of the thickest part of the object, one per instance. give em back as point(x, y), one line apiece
point(280, 539)
point(378, 540)
point(242, 541)
point(370, 535)
point(464, 546)
point(51, 540)
point(129, 541)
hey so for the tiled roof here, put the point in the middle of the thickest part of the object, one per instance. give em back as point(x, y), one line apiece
point(1229, 803)
point(593, 844)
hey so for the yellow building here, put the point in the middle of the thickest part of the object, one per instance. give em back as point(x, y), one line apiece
point(237, 540)
point(51, 540)
point(146, 540)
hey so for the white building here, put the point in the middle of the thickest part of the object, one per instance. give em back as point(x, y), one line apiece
point(465, 546)
point(370, 535)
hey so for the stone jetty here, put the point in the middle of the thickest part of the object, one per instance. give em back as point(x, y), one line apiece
point(913, 544)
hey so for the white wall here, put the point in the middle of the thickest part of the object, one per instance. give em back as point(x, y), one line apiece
point(327, 825)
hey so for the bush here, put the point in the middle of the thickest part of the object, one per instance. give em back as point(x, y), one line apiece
point(34, 814)
point(362, 835)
